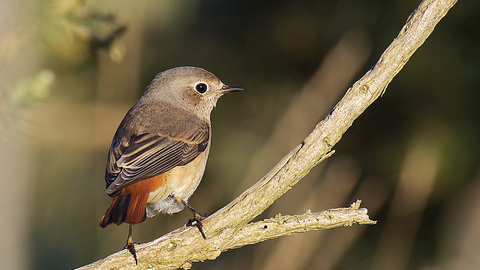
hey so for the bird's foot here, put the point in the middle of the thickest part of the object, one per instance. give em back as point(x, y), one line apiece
point(130, 245)
point(197, 217)
point(197, 222)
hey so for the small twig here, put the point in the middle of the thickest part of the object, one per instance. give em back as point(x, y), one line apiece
point(279, 225)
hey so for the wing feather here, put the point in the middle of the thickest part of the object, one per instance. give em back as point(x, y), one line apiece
point(135, 158)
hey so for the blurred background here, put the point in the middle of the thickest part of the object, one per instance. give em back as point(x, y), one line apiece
point(70, 70)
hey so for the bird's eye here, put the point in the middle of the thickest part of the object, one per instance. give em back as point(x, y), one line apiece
point(201, 88)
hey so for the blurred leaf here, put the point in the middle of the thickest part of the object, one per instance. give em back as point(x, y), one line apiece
point(25, 94)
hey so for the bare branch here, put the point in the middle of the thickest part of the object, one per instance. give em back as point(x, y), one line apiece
point(185, 245)
point(287, 225)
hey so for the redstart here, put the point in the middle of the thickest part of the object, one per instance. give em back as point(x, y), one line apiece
point(159, 151)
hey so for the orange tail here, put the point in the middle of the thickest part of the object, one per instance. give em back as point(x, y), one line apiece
point(130, 205)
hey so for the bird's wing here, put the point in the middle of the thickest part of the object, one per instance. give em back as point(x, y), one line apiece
point(149, 154)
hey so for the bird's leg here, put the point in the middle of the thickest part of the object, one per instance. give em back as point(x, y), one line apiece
point(197, 217)
point(130, 244)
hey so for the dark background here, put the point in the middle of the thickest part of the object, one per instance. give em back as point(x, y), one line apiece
point(69, 73)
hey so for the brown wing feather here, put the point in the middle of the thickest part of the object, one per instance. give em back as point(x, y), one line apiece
point(157, 149)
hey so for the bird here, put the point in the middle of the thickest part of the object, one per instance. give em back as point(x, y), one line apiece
point(159, 152)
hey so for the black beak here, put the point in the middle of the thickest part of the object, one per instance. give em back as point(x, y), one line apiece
point(231, 88)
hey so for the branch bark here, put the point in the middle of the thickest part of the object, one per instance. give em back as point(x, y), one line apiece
point(229, 227)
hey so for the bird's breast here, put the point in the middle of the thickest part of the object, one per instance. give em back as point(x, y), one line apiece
point(181, 182)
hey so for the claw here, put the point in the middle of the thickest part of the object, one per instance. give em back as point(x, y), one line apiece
point(197, 223)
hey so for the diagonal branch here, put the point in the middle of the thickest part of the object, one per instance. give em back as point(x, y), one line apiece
point(185, 245)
